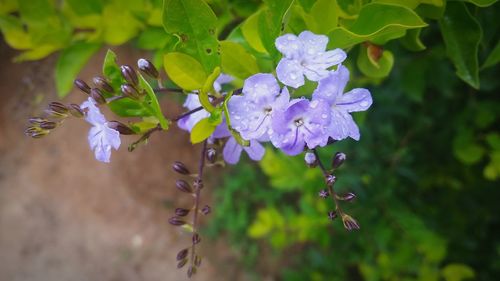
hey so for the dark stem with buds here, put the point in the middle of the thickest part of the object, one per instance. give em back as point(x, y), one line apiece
point(329, 183)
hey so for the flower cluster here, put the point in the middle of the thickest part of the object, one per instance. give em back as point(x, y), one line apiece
point(265, 112)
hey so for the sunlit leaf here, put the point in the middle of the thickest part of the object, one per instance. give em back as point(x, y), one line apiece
point(185, 71)
point(194, 22)
point(236, 61)
point(376, 21)
point(201, 131)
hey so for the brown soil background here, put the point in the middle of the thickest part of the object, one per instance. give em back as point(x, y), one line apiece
point(65, 216)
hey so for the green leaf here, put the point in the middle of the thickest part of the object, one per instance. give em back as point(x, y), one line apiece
point(14, 33)
point(127, 107)
point(202, 130)
point(411, 41)
point(457, 272)
point(376, 21)
point(119, 24)
point(375, 68)
point(271, 22)
point(462, 35)
point(481, 3)
point(208, 87)
point(36, 53)
point(194, 22)
point(466, 149)
point(185, 71)
point(250, 30)
point(236, 61)
point(85, 7)
point(325, 16)
point(152, 38)
point(153, 102)
point(493, 57)
point(111, 70)
point(69, 64)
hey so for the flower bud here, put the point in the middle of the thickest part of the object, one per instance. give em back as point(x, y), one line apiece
point(120, 127)
point(191, 271)
point(58, 107)
point(349, 222)
point(80, 84)
point(182, 254)
point(35, 132)
point(48, 125)
point(198, 184)
point(311, 160)
point(338, 159)
point(97, 96)
point(346, 197)
point(129, 74)
point(182, 263)
point(75, 110)
point(101, 83)
point(180, 168)
point(36, 120)
point(197, 260)
point(183, 186)
point(196, 238)
point(130, 91)
point(181, 212)
point(211, 155)
point(332, 215)
point(148, 68)
point(55, 114)
point(324, 193)
point(206, 210)
point(331, 179)
point(176, 221)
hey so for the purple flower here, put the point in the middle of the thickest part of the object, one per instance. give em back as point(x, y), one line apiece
point(305, 55)
point(101, 137)
point(301, 123)
point(232, 151)
point(252, 112)
point(331, 90)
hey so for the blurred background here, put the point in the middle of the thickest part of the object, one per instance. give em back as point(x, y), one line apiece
point(426, 174)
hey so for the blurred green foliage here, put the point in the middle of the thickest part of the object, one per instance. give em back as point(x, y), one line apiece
point(425, 171)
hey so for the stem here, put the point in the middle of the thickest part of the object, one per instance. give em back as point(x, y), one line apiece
point(166, 90)
point(108, 100)
point(187, 113)
point(326, 174)
point(199, 180)
point(144, 137)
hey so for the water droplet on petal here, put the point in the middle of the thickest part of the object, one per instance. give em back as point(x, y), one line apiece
point(364, 104)
point(324, 116)
point(314, 104)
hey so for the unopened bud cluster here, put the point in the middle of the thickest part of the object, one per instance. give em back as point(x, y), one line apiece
point(338, 159)
point(54, 115)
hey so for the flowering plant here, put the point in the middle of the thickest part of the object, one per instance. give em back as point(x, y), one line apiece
point(277, 75)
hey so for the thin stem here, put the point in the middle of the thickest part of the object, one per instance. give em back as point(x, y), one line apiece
point(198, 186)
point(187, 113)
point(326, 174)
point(114, 98)
point(166, 90)
point(144, 137)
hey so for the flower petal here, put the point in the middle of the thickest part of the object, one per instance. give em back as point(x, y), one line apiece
point(332, 87)
point(232, 151)
point(358, 99)
point(261, 87)
point(289, 45)
point(329, 58)
point(93, 114)
point(255, 151)
point(312, 43)
point(290, 73)
point(342, 126)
